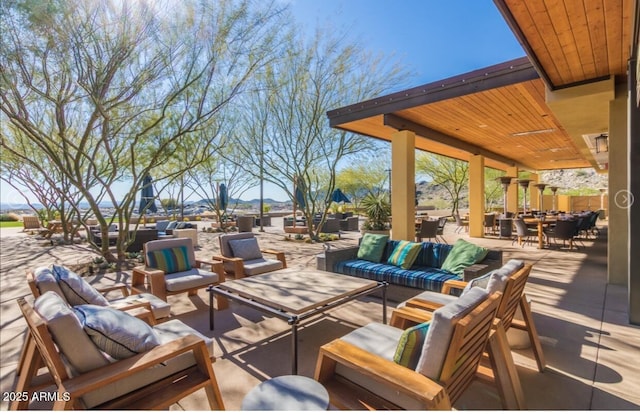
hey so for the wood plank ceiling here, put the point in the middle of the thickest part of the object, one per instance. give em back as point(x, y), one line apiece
point(501, 111)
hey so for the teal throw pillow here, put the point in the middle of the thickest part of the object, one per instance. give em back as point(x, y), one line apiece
point(372, 247)
point(404, 254)
point(462, 255)
point(169, 260)
point(410, 345)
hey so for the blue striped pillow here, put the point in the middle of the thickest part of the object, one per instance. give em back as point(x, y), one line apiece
point(404, 254)
point(410, 345)
point(169, 260)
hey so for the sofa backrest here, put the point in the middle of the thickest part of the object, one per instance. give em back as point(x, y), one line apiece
point(430, 255)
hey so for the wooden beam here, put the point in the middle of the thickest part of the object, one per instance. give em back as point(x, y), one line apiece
point(400, 123)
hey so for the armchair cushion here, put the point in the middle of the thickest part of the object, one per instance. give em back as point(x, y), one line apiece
point(66, 329)
point(118, 334)
point(438, 338)
point(404, 254)
point(410, 345)
point(191, 279)
point(462, 255)
point(247, 249)
point(75, 289)
point(172, 225)
point(372, 247)
point(377, 338)
point(260, 266)
point(170, 260)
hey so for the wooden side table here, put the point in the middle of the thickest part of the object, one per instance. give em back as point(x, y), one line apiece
point(287, 393)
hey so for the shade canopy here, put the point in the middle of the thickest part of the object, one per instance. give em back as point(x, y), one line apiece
point(338, 196)
point(147, 199)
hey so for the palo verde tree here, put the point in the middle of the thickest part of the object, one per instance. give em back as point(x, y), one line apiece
point(452, 174)
point(295, 141)
point(109, 89)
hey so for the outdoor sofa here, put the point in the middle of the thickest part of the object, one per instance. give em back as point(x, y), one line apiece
point(424, 274)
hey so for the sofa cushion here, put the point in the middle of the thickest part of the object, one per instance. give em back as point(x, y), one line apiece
point(404, 254)
point(170, 260)
point(246, 249)
point(75, 289)
point(66, 329)
point(430, 255)
point(261, 265)
point(118, 334)
point(372, 247)
point(443, 320)
point(410, 345)
point(463, 255)
point(424, 278)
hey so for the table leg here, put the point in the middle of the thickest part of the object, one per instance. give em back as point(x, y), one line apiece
point(384, 304)
point(294, 346)
point(210, 307)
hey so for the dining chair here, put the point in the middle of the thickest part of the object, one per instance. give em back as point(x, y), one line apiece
point(428, 229)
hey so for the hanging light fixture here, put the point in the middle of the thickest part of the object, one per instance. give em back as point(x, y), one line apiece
point(602, 143)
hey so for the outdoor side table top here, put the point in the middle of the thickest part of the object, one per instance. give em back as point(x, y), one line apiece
point(287, 393)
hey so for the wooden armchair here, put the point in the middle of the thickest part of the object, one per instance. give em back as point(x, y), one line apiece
point(171, 268)
point(359, 370)
point(419, 308)
point(151, 380)
point(77, 291)
point(31, 225)
point(242, 256)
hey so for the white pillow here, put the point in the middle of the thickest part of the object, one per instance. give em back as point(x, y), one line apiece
point(118, 334)
point(75, 289)
point(46, 281)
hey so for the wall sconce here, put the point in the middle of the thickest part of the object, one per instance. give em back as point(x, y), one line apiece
point(602, 143)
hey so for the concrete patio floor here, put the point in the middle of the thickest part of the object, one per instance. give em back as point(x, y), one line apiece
point(590, 349)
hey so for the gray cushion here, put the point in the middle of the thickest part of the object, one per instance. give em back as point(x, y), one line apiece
point(66, 329)
point(159, 308)
point(172, 225)
point(161, 225)
point(433, 297)
point(438, 338)
point(187, 280)
point(76, 290)
point(166, 332)
point(246, 249)
point(260, 266)
point(225, 248)
point(499, 278)
point(115, 332)
point(46, 281)
point(379, 339)
point(481, 281)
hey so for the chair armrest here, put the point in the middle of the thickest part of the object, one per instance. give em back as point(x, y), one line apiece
point(450, 284)
point(390, 374)
point(122, 287)
point(98, 378)
point(238, 264)
point(214, 266)
point(407, 316)
point(155, 279)
point(279, 255)
point(333, 256)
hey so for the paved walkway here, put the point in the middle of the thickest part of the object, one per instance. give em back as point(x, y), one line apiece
point(591, 350)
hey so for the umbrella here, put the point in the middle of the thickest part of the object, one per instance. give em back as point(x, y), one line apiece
point(147, 200)
point(338, 197)
point(223, 197)
point(299, 184)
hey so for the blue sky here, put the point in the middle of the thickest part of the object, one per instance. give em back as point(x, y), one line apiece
point(435, 39)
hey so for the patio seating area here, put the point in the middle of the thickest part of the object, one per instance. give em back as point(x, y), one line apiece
point(589, 348)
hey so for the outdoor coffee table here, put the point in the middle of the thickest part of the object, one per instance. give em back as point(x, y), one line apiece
point(294, 295)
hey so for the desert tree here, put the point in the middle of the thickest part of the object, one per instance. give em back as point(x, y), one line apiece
point(287, 126)
point(452, 174)
point(108, 90)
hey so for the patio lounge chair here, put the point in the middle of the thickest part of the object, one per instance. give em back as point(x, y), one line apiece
point(170, 361)
point(75, 290)
point(172, 268)
point(384, 367)
point(510, 280)
point(31, 225)
point(242, 256)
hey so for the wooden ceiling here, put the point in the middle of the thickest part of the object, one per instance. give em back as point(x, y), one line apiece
point(572, 41)
point(501, 111)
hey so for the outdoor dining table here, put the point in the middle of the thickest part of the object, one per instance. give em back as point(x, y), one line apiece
point(541, 223)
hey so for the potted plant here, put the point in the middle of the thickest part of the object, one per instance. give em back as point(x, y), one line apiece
point(378, 210)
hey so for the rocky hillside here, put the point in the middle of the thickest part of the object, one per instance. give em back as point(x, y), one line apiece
point(585, 180)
